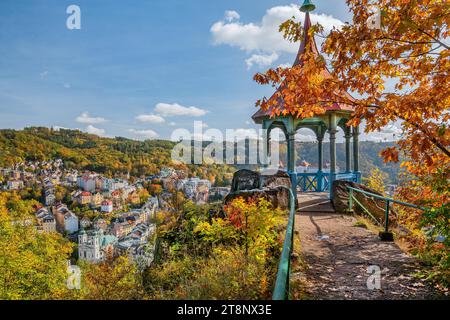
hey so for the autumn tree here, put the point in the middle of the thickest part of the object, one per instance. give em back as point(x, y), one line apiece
point(375, 180)
point(397, 73)
point(116, 280)
point(33, 265)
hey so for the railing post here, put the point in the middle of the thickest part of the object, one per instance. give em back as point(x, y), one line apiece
point(319, 181)
point(386, 235)
point(386, 222)
point(350, 200)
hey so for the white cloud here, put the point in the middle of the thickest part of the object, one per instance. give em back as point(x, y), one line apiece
point(172, 124)
point(87, 119)
point(144, 134)
point(388, 133)
point(261, 60)
point(93, 130)
point(151, 118)
point(264, 35)
point(168, 110)
point(305, 135)
point(231, 15)
point(241, 133)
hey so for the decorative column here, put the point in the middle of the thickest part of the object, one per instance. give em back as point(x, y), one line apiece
point(320, 160)
point(291, 161)
point(265, 146)
point(320, 150)
point(291, 151)
point(332, 131)
point(356, 154)
point(348, 137)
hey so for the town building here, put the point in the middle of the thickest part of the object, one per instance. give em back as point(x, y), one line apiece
point(107, 206)
point(85, 223)
point(50, 197)
point(96, 200)
point(94, 246)
point(49, 223)
point(195, 189)
point(66, 220)
point(14, 184)
point(111, 185)
point(46, 222)
point(87, 182)
point(100, 223)
point(85, 198)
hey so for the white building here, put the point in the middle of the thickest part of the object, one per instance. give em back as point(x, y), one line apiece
point(87, 182)
point(113, 184)
point(95, 247)
point(66, 220)
point(107, 206)
point(50, 198)
point(71, 222)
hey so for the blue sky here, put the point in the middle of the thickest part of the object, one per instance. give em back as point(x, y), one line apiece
point(132, 61)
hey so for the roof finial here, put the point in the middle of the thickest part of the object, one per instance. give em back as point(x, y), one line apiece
point(307, 6)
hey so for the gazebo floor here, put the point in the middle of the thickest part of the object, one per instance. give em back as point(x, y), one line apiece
point(314, 202)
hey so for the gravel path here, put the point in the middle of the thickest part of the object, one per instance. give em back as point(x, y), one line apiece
point(338, 255)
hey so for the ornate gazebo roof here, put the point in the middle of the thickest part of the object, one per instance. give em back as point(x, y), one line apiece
point(308, 43)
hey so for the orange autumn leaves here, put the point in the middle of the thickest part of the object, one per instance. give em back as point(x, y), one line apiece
point(398, 73)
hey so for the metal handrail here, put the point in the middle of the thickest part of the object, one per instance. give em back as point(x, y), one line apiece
point(282, 286)
point(351, 198)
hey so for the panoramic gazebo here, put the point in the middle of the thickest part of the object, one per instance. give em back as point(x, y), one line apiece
point(336, 116)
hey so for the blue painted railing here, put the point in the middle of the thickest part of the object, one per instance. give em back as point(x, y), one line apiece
point(322, 181)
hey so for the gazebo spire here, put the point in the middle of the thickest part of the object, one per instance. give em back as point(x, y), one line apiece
point(307, 7)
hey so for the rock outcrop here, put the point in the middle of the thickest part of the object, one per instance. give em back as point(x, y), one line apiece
point(249, 184)
point(375, 206)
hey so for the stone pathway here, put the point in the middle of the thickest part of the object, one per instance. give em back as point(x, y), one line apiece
point(338, 254)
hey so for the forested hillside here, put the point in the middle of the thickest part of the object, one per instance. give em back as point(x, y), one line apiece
point(108, 156)
point(120, 155)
